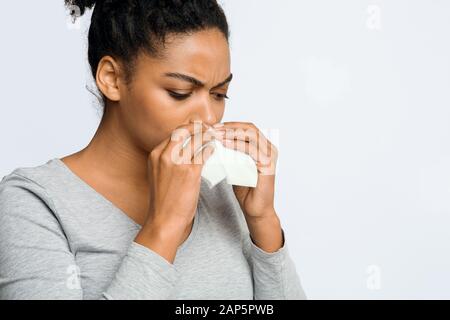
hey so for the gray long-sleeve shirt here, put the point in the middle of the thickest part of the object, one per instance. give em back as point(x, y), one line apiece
point(60, 239)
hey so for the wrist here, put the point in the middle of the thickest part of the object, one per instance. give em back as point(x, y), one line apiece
point(162, 238)
point(266, 233)
point(268, 216)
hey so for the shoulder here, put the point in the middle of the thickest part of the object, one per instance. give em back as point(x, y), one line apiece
point(34, 179)
point(24, 192)
point(27, 211)
point(19, 181)
point(32, 176)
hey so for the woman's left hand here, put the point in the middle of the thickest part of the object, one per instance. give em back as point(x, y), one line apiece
point(256, 203)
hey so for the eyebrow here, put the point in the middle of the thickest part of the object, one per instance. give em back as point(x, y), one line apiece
point(194, 81)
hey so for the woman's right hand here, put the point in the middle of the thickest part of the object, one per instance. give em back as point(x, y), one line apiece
point(174, 176)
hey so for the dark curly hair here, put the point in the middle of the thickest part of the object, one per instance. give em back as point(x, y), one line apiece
point(124, 28)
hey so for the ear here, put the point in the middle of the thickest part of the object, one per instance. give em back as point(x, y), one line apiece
point(108, 78)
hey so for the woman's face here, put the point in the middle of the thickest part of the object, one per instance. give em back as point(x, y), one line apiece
point(189, 83)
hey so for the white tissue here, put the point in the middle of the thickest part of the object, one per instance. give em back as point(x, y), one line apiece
point(237, 167)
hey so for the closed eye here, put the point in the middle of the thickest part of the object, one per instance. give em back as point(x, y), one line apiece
point(179, 96)
point(182, 96)
point(220, 96)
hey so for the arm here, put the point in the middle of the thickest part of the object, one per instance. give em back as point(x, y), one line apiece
point(36, 261)
point(274, 272)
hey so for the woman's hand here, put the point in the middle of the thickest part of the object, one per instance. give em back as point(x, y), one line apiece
point(174, 174)
point(256, 203)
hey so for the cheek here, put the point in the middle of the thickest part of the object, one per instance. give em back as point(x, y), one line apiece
point(152, 115)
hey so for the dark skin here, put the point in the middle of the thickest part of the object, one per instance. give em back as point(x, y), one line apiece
point(129, 160)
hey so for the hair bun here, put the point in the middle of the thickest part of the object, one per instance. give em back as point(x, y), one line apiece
point(82, 5)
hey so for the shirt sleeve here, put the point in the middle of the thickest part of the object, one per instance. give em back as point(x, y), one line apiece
point(274, 274)
point(36, 261)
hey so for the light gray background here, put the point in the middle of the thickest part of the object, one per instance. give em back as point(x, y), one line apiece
point(359, 93)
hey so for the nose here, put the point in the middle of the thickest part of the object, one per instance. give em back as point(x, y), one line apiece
point(205, 112)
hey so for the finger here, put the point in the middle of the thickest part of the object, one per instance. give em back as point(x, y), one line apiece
point(234, 125)
point(178, 134)
point(248, 148)
point(178, 138)
point(265, 165)
point(246, 131)
point(181, 133)
point(262, 144)
point(196, 142)
point(203, 155)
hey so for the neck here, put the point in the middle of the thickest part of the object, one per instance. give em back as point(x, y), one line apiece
point(113, 154)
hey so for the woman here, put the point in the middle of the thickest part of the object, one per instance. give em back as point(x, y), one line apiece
point(120, 219)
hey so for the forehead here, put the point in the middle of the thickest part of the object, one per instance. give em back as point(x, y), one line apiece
point(204, 54)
